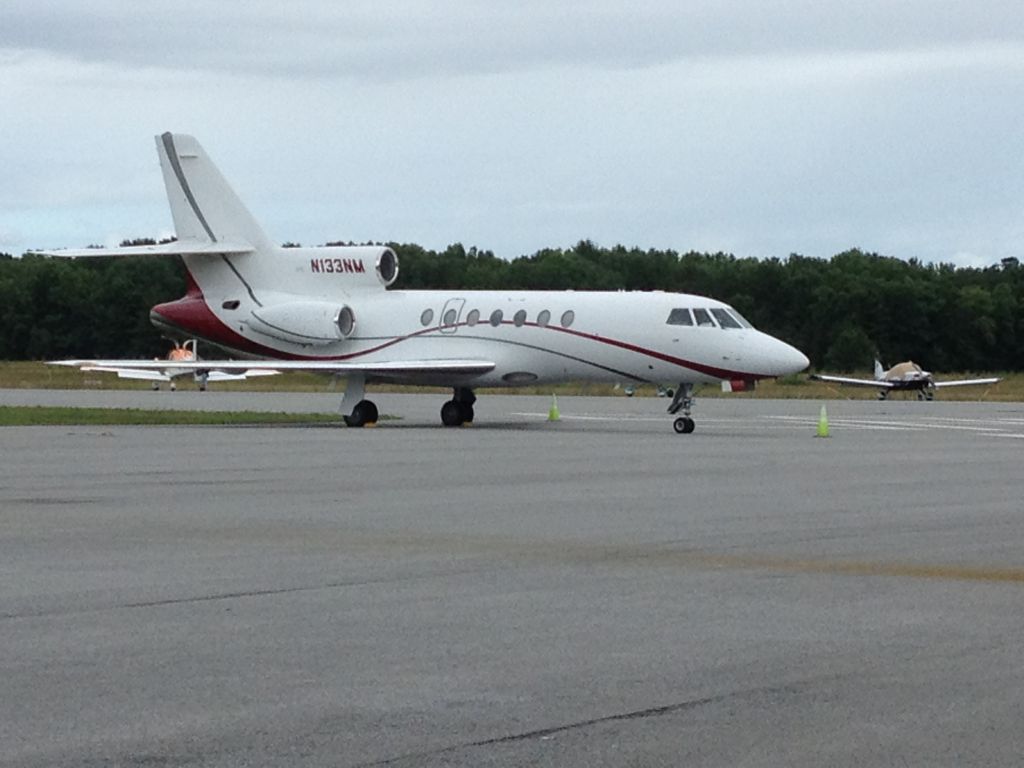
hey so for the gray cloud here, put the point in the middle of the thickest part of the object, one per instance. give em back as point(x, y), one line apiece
point(809, 127)
point(386, 40)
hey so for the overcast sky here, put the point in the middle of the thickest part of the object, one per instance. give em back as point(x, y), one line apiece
point(754, 127)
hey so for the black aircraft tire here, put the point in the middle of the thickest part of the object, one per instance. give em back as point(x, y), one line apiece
point(365, 412)
point(452, 414)
point(684, 425)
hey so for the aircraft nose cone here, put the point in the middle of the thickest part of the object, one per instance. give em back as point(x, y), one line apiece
point(796, 360)
point(784, 359)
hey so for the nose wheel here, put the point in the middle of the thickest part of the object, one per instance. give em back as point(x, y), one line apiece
point(683, 425)
point(682, 400)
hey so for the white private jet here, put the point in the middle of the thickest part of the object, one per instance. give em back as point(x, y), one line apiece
point(328, 309)
point(181, 352)
point(902, 377)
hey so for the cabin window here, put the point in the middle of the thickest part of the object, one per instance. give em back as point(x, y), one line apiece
point(543, 318)
point(496, 317)
point(520, 318)
point(725, 319)
point(449, 317)
point(680, 317)
point(473, 317)
point(703, 318)
point(567, 318)
point(231, 304)
point(427, 317)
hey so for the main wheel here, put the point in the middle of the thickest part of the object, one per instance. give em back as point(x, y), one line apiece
point(365, 412)
point(452, 413)
point(684, 425)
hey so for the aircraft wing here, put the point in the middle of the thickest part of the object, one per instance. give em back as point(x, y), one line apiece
point(264, 367)
point(965, 382)
point(129, 373)
point(225, 376)
point(876, 383)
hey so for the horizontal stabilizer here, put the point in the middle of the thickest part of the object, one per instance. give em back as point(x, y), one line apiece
point(176, 248)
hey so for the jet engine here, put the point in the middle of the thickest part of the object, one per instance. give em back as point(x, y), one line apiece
point(312, 323)
point(354, 266)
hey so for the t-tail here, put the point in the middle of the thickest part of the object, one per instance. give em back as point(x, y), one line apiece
point(204, 207)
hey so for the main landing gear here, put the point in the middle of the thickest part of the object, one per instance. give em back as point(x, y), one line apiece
point(357, 411)
point(682, 400)
point(458, 410)
point(361, 412)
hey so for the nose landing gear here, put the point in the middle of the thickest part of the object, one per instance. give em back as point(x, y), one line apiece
point(683, 425)
point(682, 400)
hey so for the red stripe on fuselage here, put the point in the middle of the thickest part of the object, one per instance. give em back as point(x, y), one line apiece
point(192, 315)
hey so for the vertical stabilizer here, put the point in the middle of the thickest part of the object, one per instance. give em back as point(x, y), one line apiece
point(204, 207)
point(879, 371)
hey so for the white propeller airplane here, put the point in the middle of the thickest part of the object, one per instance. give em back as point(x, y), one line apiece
point(328, 309)
point(185, 351)
point(903, 377)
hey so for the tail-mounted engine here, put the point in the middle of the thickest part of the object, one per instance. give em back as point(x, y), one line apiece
point(357, 266)
point(334, 271)
point(312, 323)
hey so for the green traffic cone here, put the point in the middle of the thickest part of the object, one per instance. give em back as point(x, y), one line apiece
point(822, 423)
point(553, 414)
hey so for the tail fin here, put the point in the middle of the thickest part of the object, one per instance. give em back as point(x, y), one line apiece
point(204, 207)
point(879, 371)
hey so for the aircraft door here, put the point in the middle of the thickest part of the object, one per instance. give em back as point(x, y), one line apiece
point(450, 315)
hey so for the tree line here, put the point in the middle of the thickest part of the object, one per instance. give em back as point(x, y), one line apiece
point(841, 312)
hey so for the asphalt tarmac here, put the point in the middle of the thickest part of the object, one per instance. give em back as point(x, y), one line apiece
point(596, 591)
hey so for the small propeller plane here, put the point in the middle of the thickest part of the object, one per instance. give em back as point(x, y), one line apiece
point(328, 309)
point(903, 377)
point(181, 352)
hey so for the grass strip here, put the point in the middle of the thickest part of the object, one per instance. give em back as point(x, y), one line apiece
point(42, 415)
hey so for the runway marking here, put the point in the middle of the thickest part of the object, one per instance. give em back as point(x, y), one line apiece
point(992, 427)
point(986, 427)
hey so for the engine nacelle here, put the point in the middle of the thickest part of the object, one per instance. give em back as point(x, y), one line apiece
point(313, 323)
point(354, 266)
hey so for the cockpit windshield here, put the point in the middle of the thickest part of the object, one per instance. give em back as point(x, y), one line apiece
point(742, 320)
point(725, 319)
point(680, 316)
point(703, 318)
